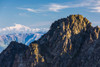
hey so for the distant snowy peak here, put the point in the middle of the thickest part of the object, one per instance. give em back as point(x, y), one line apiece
point(18, 28)
point(19, 33)
point(25, 38)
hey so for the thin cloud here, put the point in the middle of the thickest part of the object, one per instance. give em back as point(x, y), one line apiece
point(54, 7)
point(96, 9)
point(94, 5)
point(57, 7)
point(29, 9)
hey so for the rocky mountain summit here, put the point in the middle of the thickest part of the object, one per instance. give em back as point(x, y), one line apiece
point(70, 42)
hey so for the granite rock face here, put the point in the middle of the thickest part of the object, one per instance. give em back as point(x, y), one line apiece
point(70, 42)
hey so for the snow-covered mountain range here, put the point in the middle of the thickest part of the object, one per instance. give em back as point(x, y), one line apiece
point(19, 33)
point(25, 38)
point(18, 28)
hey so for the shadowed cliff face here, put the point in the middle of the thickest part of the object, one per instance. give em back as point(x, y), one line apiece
point(7, 57)
point(70, 42)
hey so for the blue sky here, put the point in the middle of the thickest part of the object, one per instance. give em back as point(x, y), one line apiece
point(41, 13)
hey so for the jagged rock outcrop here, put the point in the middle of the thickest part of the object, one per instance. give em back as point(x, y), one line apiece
point(70, 42)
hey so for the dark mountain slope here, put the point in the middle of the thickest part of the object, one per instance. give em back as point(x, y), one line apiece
point(7, 57)
point(70, 42)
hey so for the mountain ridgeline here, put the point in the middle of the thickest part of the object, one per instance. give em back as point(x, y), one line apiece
point(70, 42)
